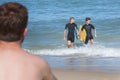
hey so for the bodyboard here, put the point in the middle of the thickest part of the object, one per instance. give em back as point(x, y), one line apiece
point(83, 34)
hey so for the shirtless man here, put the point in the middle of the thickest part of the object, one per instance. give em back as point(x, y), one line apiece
point(15, 63)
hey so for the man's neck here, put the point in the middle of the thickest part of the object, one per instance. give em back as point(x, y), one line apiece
point(10, 45)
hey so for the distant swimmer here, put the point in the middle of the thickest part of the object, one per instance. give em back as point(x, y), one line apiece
point(88, 27)
point(72, 28)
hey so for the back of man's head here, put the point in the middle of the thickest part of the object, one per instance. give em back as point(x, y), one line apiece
point(13, 21)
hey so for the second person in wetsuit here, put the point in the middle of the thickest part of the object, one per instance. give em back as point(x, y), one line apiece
point(72, 28)
point(88, 27)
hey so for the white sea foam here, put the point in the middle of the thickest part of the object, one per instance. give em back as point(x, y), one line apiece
point(86, 51)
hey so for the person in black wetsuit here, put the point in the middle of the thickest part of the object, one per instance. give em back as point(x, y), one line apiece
point(72, 28)
point(88, 27)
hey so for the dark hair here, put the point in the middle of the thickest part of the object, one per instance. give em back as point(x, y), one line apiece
point(88, 18)
point(13, 21)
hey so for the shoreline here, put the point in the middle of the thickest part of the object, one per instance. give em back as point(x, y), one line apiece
point(63, 74)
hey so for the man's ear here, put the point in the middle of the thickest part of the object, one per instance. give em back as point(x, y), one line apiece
point(25, 32)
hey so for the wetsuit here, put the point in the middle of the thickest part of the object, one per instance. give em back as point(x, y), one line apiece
point(71, 30)
point(88, 29)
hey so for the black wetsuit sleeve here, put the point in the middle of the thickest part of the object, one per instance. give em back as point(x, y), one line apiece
point(76, 26)
point(83, 28)
point(92, 26)
point(66, 26)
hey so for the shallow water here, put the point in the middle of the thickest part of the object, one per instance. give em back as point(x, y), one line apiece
point(98, 64)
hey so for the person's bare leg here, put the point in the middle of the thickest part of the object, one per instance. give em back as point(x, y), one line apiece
point(69, 44)
point(91, 41)
point(72, 44)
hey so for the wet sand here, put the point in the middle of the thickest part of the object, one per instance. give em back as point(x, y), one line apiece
point(84, 75)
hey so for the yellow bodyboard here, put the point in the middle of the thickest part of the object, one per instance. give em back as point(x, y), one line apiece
point(83, 34)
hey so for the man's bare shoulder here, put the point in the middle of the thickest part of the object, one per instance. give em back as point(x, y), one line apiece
point(44, 67)
point(35, 57)
point(39, 60)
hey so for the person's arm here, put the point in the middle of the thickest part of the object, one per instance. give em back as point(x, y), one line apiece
point(65, 34)
point(77, 29)
point(95, 33)
point(94, 30)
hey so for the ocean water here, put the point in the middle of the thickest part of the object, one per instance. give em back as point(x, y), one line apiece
point(47, 19)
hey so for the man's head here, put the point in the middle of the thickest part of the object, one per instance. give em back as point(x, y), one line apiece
point(88, 19)
point(72, 20)
point(13, 22)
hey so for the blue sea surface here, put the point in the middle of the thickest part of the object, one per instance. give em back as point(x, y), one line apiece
point(47, 20)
